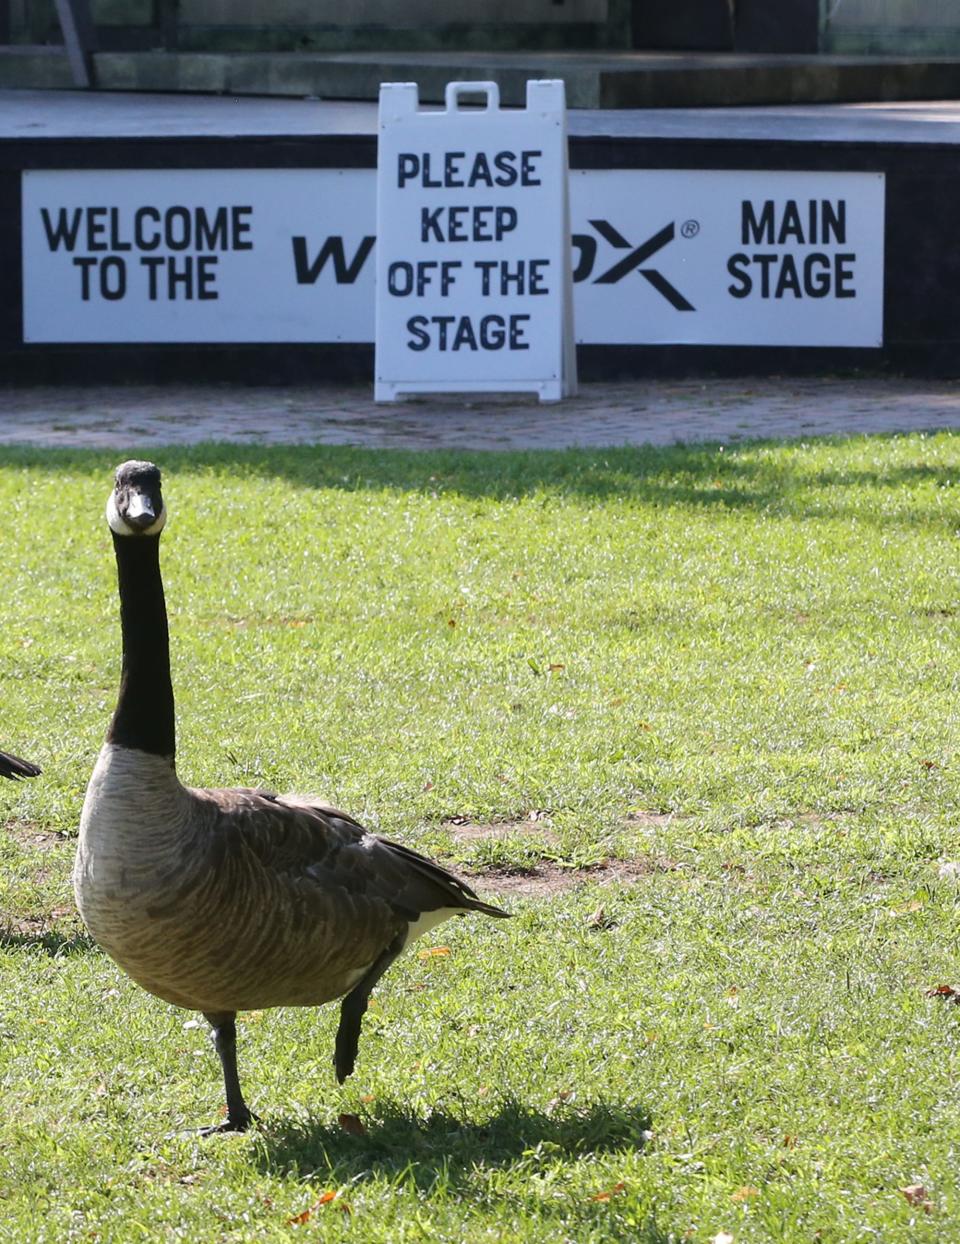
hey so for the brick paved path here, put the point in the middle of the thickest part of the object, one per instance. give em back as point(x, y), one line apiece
point(654, 412)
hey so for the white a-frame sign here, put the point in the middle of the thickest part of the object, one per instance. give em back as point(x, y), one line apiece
point(474, 287)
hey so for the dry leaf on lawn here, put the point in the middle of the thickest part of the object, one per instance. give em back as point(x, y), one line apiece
point(434, 952)
point(299, 1219)
point(916, 1194)
point(943, 991)
point(609, 1192)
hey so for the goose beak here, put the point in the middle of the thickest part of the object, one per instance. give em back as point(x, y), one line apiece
point(140, 511)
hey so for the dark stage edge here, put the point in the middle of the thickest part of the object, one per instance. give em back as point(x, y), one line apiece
point(916, 145)
point(594, 79)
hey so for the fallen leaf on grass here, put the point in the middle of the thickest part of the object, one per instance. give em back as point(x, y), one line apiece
point(434, 952)
point(745, 1193)
point(352, 1123)
point(608, 1193)
point(323, 1199)
point(916, 1194)
point(947, 992)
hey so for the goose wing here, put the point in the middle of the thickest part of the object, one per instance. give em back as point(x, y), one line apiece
point(13, 767)
point(304, 906)
point(316, 847)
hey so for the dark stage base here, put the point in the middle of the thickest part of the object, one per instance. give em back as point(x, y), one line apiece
point(594, 79)
point(906, 155)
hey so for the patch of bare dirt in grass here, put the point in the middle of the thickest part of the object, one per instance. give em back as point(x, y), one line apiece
point(816, 820)
point(38, 925)
point(652, 820)
point(535, 825)
point(29, 834)
point(547, 877)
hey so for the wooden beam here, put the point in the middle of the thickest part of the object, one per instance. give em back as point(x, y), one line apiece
point(80, 39)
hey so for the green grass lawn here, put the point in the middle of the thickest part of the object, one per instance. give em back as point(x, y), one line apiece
point(691, 713)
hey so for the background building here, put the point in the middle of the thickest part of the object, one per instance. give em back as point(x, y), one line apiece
point(903, 27)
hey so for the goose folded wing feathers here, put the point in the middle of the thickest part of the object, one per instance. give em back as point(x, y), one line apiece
point(322, 851)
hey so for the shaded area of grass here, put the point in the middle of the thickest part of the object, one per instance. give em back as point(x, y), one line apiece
point(802, 480)
point(398, 1140)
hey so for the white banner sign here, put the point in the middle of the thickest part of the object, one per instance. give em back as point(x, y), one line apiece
point(198, 255)
point(725, 257)
point(662, 256)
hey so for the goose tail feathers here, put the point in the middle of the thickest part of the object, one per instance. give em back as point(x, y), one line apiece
point(456, 893)
point(14, 768)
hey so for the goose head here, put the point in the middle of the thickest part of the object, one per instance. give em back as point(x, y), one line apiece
point(135, 507)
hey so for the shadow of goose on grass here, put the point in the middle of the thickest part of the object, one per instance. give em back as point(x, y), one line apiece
point(57, 943)
point(444, 1144)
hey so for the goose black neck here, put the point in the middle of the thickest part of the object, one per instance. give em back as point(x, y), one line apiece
point(144, 717)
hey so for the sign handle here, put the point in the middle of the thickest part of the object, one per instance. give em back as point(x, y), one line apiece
point(456, 89)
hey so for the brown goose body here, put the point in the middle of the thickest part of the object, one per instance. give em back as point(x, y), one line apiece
point(230, 900)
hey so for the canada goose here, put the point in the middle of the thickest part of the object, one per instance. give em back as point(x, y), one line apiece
point(14, 768)
point(230, 900)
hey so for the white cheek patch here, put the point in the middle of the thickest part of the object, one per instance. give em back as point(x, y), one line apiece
point(120, 527)
point(159, 524)
point(113, 518)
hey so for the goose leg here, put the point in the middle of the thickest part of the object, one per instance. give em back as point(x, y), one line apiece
point(352, 1010)
point(239, 1114)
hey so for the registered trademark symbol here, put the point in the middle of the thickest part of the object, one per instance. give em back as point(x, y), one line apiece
point(690, 228)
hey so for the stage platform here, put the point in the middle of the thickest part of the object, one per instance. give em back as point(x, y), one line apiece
point(145, 237)
point(594, 79)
